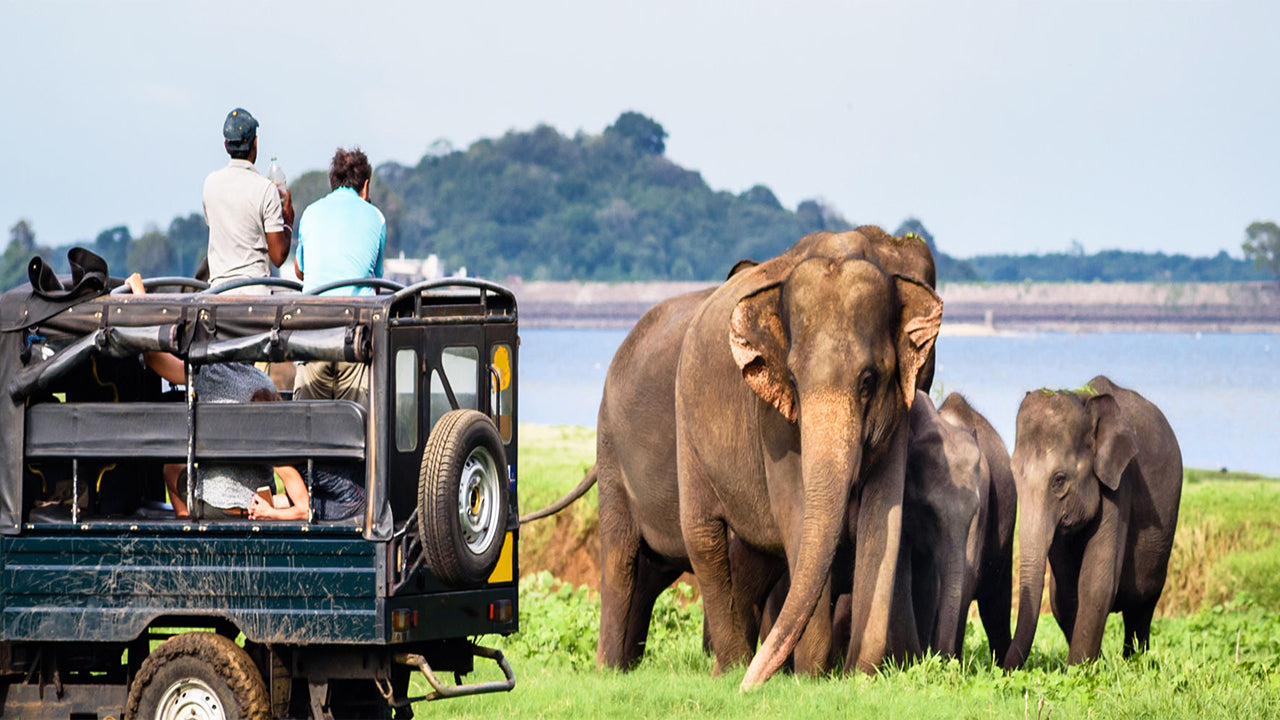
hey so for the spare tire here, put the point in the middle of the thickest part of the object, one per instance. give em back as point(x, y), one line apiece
point(463, 499)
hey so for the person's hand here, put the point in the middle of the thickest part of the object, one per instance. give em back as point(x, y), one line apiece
point(134, 282)
point(260, 509)
point(286, 206)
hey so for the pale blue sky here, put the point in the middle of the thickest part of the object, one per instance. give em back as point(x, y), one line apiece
point(1004, 126)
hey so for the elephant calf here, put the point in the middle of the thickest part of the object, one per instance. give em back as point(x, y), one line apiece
point(994, 590)
point(1099, 476)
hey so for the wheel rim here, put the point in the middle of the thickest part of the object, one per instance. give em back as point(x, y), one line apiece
point(190, 699)
point(478, 494)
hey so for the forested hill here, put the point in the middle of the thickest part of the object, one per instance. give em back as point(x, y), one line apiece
point(610, 207)
point(594, 207)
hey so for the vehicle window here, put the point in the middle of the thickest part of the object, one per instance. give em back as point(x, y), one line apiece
point(502, 392)
point(461, 365)
point(406, 399)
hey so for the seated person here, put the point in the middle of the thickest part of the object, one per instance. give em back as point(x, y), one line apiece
point(295, 489)
point(335, 494)
point(227, 489)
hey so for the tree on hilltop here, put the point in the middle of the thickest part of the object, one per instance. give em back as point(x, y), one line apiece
point(644, 134)
point(1263, 246)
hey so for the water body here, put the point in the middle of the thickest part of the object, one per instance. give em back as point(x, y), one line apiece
point(1221, 392)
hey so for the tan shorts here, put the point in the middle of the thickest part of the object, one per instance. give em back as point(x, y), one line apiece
point(332, 381)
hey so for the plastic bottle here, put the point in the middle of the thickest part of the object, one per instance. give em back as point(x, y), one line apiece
point(275, 174)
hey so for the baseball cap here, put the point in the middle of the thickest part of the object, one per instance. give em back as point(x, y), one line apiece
point(239, 130)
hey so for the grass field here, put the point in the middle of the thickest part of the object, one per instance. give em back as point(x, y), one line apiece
point(1215, 648)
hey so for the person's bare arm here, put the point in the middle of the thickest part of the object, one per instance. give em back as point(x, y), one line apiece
point(278, 242)
point(295, 488)
point(163, 364)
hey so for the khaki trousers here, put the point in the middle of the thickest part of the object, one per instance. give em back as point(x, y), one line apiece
point(332, 381)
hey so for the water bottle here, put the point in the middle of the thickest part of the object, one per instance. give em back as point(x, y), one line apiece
point(275, 174)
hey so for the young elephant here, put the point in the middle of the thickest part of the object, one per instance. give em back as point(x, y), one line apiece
point(944, 524)
point(994, 591)
point(1099, 476)
point(957, 535)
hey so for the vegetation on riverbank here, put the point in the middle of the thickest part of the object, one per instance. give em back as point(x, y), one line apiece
point(1215, 645)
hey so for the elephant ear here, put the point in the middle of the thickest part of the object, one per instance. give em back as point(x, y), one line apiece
point(1114, 443)
point(744, 264)
point(917, 330)
point(759, 345)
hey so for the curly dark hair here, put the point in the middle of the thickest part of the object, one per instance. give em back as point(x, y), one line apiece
point(350, 168)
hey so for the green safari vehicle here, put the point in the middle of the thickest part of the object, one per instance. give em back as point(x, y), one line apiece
point(113, 607)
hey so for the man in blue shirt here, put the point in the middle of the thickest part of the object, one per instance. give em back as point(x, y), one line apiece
point(341, 236)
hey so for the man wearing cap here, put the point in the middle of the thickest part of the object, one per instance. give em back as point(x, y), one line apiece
point(250, 220)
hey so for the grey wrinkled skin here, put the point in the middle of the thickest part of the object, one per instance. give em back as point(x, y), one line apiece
point(1099, 476)
point(944, 526)
point(830, 345)
point(993, 591)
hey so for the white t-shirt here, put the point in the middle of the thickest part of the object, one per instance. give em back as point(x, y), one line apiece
point(241, 207)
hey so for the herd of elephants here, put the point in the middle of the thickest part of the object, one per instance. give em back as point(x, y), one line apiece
point(775, 436)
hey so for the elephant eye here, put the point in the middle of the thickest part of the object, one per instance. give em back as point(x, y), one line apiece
point(867, 384)
point(1058, 482)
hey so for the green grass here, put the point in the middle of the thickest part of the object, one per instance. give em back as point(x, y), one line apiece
point(1215, 651)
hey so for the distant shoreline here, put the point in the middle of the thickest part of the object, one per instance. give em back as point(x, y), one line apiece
point(969, 308)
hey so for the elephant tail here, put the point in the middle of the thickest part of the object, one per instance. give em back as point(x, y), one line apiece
point(565, 501)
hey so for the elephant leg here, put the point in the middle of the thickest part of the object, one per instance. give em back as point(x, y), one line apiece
point(905, 624)
point(619, 566)
point(1064, 576)
point(706, 539)
point(753, 575)
point(840, 611)
point(878, 539)
point(1095, 596)
point(995, 601)
point(814, 647)
point(1137, 628)
point(709, 554)
point(924, 592)
point(652, 577)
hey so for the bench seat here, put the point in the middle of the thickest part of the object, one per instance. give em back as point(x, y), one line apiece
point(302, 429)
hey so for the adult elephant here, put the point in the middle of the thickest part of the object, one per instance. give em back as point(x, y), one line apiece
point(1099, 476)
point(994, 590)
point(641, 544)
point(792, 390)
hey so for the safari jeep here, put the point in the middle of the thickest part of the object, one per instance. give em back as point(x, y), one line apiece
point(111, 606)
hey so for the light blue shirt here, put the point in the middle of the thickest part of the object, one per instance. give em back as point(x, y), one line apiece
point(341, 237)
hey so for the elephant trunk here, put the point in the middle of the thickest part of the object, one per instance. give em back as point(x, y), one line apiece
point(831, 453)
point(952, 601)
point(1034, 536)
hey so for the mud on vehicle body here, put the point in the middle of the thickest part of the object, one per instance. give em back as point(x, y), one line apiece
point(112, 607)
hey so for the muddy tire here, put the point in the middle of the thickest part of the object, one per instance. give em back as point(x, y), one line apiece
point(463, 499)
point(198, 674)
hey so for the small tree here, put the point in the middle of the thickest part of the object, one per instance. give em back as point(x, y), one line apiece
point(1263, 246)
point(644, 133)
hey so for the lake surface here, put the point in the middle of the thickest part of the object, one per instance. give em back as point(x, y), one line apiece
point(1221, 392)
